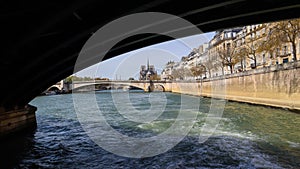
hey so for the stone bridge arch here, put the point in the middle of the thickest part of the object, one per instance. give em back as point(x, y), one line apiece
point(144, 85)
point(159, 87)
point(104, 86)
point(58, 86)
point(78, 85)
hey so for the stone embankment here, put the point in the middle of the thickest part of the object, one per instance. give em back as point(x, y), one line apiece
point(277, 86)
point(17, 120)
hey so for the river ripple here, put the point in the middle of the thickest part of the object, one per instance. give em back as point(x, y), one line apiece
point(247, 136)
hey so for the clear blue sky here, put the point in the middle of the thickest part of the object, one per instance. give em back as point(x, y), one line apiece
point(128, 65)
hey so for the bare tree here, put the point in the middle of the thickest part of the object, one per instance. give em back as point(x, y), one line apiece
point(209, 67)
point(219, 64)
point(251, 49)
point(186, 72)
point(181, 73)
point(212, 64)
point(269, 42)
point(269, 46)
point(242, 53)
point(197, 70)
point(176, 74)
point(287, 32)
point(229, 56)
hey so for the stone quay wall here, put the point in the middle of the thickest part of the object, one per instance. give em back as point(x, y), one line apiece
point(17, 120)
point(277, 86)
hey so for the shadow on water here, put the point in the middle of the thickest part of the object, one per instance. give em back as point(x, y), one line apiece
point(14, 147)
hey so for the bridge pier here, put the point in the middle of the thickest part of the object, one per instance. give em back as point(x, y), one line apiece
point(150, 87)
point(16, 120)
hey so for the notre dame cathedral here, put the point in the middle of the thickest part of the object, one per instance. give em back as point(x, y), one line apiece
point(146, 73)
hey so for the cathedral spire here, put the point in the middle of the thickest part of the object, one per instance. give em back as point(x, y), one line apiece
point(148, 64)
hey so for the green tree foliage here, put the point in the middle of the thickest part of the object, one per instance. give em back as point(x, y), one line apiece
point(155, 77)
point(70, 79)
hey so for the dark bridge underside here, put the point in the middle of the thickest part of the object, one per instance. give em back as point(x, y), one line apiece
point(42, 39)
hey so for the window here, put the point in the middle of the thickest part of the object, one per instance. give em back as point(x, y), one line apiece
point(285, 50)
point(285, 60)
point(229, 35)
point(239, 43)
point(263, 58)
point(263, 30)
point(228, 45)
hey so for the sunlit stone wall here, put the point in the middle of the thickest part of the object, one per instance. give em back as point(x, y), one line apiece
point(277, 86)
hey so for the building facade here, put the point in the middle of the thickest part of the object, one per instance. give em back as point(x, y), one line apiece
point(220, 49)
point(147, 72)
point(241, 49)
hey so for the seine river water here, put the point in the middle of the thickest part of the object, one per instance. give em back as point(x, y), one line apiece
point(247, 136)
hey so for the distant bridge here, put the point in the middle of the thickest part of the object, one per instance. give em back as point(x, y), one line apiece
point(58, 86)
point(145, 85)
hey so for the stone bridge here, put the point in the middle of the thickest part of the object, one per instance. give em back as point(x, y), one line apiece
point(145, 85)
point(58, 86)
